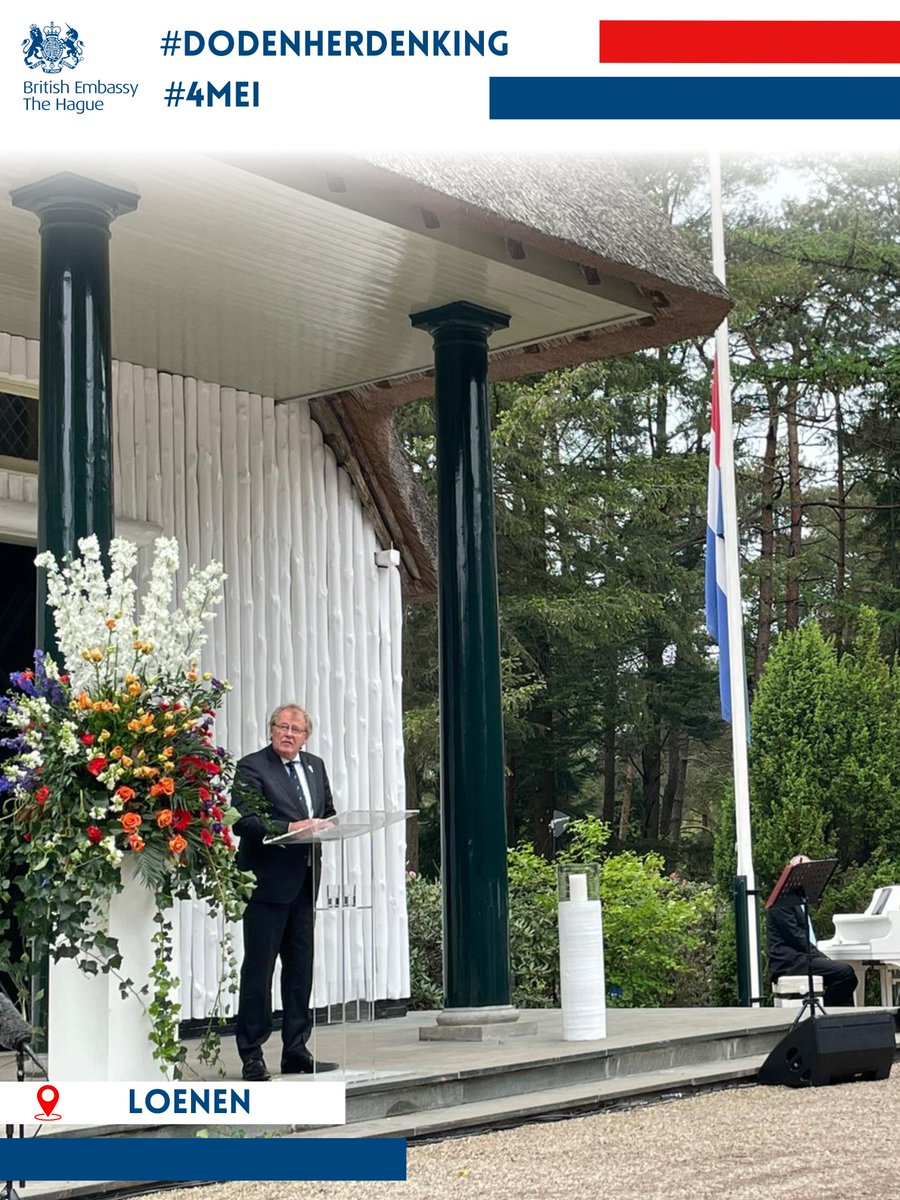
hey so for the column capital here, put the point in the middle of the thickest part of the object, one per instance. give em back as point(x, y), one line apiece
point(460, 315)
point(74, 199)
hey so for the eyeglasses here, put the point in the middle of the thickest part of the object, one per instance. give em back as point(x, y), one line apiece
point(291, 728)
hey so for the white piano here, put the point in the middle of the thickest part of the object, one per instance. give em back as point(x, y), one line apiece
point(870, 939)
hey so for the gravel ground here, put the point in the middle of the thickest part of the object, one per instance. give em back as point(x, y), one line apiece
point(749, 1143)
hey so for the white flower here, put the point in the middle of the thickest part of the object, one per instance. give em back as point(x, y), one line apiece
point(68, 741)
point(95, 615)
point(113, 854)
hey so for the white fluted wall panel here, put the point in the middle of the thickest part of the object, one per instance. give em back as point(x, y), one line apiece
point(307, 616)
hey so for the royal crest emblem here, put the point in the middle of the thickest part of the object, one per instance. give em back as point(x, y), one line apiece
point(51, 49)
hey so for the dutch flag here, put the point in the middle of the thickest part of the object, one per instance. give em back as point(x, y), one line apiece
point(716, 585)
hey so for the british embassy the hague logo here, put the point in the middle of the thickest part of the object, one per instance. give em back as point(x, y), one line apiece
point(51, 50)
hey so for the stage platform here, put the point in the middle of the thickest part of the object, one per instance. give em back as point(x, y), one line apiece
point(399, 1086)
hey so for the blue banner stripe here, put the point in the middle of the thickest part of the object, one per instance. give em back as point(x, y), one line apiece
point(680, 98)
point(166, 1160)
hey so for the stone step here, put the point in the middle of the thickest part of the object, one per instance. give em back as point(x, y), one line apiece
point(570, 1100)
point(386, 1098)
point(394, 1095)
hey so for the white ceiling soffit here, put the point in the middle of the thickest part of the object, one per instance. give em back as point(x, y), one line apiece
point(249, 282)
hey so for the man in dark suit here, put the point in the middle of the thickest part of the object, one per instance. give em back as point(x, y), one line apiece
point(278, 921)
point(790, 943)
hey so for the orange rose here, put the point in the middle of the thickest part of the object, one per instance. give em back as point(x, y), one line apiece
point(125, 793)
point(164, 817)
point(130, 821)
point(136, 842)
point(177, 844)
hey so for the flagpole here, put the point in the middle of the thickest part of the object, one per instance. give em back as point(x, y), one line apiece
point(737, 675)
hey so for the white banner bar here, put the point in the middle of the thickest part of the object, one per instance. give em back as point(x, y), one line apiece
point(308, 1102)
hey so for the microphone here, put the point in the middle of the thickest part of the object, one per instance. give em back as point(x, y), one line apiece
point(14, 1031)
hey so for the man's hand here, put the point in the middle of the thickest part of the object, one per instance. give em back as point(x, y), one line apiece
point(312, 824)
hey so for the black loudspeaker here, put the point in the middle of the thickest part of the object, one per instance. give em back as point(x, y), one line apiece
point(833, 1050)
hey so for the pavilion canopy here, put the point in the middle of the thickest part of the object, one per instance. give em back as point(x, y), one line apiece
point(295, 278)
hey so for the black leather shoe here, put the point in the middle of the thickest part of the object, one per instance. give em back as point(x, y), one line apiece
point(305, 1064)
point(255, 1070)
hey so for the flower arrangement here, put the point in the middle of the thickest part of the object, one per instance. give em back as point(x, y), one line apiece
point(112, 766)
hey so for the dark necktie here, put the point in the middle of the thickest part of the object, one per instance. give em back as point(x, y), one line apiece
point(298, 790)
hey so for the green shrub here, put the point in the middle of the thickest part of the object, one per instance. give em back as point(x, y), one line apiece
point(658, 929)
point(423, 905)
point(533, 944)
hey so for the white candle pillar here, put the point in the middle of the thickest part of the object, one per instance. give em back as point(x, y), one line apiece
point(581, 968)
point(578, 890)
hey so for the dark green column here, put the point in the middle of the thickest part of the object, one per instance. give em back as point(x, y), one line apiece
point(473, 818)
point(75, 467)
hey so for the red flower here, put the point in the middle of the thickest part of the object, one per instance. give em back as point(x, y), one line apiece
point(206, 837)
point(181, 819)
point(212, 768)
point(26, 837)
point(96, 765)
point(216, 813)
point(226, 834)
point(42, 795)
point(191, 766)
point(95, 835)
point(88, 739)
point(204, 793)
point(63, 679)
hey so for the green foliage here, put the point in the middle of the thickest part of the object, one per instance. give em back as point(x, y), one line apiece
point(423, 906)
point(658, 929)
point(533, 942)
point(650, 928)
point(824, 770)
point(824, 773)
point(793, 721)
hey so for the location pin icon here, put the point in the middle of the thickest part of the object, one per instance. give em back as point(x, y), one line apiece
point(47, 1097)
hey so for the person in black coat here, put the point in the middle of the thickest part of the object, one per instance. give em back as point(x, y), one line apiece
point(788, 938)
point(278, 920)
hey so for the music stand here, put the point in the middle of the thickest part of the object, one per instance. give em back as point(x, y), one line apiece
point(802, 885)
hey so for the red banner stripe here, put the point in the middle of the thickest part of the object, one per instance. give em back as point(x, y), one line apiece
point(750, 41)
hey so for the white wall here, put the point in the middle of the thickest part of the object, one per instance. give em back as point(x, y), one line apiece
point(308, 616)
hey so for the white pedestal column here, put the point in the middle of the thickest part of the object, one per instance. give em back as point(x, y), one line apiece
point(93, 1033)
point(581, 970)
